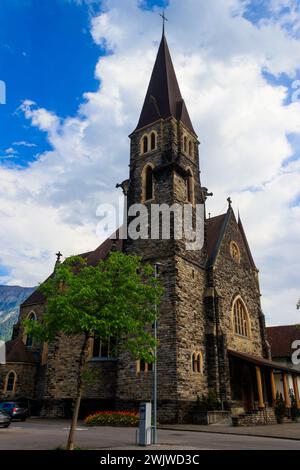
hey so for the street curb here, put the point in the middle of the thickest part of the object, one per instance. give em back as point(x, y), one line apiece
point(230, 433)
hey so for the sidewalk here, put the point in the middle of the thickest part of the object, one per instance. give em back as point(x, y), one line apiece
point(279, 431)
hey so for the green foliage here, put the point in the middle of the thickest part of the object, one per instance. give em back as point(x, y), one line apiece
point(113, 418)
point(280, 408)
point(208, 402)
point(90, 376)
point(295, 413)
point(115, 299)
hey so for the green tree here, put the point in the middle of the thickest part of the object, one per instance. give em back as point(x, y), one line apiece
point(117, 299)
point(280, 407)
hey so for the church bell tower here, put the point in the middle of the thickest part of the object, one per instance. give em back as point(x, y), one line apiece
point(164, 169)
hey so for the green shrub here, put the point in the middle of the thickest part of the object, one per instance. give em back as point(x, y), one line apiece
point(113, 418)
point(280, 408)
point(209, 402)
point(295, 413)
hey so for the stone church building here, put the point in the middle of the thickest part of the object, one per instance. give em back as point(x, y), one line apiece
point(211, 327)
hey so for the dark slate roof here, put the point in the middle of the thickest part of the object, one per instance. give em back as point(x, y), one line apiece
point(214, 230)
point(260, 361)
point(92, 257)
point(281, 339)
point(163, 98)
point(16, 351)
point(102, 251)
point(35, 298)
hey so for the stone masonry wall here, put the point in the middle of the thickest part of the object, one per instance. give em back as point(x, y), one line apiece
point(181, 323)
point(25, 384)
point(231, 279)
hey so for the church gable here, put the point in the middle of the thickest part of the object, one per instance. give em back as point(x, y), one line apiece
point(236, 281)
point(226, 238)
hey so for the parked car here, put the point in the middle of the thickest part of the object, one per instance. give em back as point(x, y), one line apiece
point(5, 419)
point(14, 409)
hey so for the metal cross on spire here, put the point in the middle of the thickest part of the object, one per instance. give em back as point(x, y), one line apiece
point(164, 18)
point(58, 256)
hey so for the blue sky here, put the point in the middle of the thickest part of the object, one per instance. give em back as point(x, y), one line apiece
point(46, 53)
point(86, 65)
point(39, 60)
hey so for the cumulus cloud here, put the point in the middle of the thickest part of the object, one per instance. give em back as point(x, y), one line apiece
point(243, 123)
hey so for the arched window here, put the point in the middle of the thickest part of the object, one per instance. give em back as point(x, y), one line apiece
point(240, 319)
point(145, 145)
point(29, 338)
point(190, 149)
point(197, 362)
point(148, 183)
point(153, 140)
point(143, 366)
point(190, 187)
point(10, 383)
point(235, 251)
point(185, 145)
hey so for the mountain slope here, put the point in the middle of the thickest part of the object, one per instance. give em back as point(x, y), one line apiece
point(11, 298)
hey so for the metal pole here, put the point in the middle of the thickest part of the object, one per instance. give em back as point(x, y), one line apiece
point(155, 382)
point(156, 266)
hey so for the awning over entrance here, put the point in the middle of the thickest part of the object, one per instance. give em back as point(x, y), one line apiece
point(260, 361)
point(265, 371)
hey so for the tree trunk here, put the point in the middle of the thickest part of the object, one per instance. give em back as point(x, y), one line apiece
point(70, 445)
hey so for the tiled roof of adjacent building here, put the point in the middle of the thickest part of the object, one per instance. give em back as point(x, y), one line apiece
point(281, 339)
point(16, 351)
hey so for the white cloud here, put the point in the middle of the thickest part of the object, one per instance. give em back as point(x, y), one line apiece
point(23, 143)
point(241, 119)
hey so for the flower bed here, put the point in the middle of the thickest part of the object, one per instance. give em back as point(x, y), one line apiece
point(113, 418)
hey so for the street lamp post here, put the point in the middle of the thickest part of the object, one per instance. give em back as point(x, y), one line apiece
point(156, 267)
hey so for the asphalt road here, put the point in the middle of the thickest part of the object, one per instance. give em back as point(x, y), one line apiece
point(43, 435)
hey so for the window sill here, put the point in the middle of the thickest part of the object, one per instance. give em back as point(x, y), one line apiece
point(242, 337)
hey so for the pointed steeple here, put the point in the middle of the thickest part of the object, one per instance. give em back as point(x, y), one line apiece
point(163, 98)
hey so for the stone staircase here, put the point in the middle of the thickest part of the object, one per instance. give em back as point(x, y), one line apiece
point(255, 418)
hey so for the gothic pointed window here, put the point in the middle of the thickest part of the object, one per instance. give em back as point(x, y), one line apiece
point(197, 362)
point(153, 140)
point(145, 144)
point(241, 321)
point(143, 366)
point(185, 144)
point(190, 149)
point(11, 379)
point(29, 337)
point(190, 187)
point(148, 183)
